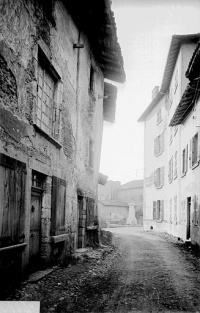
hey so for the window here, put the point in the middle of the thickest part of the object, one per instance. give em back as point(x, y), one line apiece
point(158, 210)
point(159, 117)
point(45, 99)
point(91, 154)
point(92, 72)
point(159, 144)
point(195, 149)
point(170, 97)
point(49, 97)
point(38, 180)
point(195, 204)
point(175, 164)
point(58, 205)
point(175, 209)
point(159, 177)
point(171, 135)
point(185, 160)
point(170, 211)
point(175, 130)
point(176, 81)
point(170, 173)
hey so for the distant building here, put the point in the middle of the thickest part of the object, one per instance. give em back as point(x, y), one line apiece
point(171, 140)
point(121, 203)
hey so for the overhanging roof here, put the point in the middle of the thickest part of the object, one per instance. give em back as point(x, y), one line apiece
point(96, 19)
point(176, 42)
point(188, 100)
point(109, 102)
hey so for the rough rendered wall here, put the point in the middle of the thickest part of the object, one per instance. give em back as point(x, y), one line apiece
point(24, 26)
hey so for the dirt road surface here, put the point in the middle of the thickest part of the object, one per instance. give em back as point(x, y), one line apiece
point(142, 272)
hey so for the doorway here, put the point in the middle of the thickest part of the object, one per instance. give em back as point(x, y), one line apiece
point(188, 217)
point(35, 221)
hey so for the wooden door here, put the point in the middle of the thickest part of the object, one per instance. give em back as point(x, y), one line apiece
point(35, 230)
point(188, 217)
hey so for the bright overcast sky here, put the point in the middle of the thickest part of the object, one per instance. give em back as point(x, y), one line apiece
point(144, 30)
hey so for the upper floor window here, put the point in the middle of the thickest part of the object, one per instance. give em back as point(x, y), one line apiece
point(159, 116)
point(49, 97)
point(159, 177)
point(171, 135)
point(170, 173)
point(91, 154)
point(159, 144)
point(176, 81)
point(175, 209)
point(170, 97)
point(195, 149)
point(175, 164)
point(185, 160)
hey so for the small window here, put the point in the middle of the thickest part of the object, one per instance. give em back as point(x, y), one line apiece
point(176, 81)
point(170, 173)
point(38, 180)
point(170, 211)
point(195, 149)
point(175, 164)
point(185, 160)
point(171, 136)
point(91, 154)
point(195, 203)
point(159, 116)
point(170, 97)
point(175, 209)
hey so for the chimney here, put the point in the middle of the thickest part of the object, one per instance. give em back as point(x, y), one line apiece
point(155, 91)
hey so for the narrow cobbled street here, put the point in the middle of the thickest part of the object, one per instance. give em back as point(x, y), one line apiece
point(141, 271)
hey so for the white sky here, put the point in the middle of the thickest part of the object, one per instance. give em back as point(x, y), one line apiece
point(144, 30)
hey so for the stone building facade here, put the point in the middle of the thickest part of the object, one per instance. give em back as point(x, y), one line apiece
point(52, 107)
point(171, 162)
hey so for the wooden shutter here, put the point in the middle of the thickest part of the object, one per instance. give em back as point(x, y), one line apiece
point(12, 202)
point(162, 142)
point(186, 158)
point(58, 205)
point(154, 210)
point(190, 153)
point(162, 210)
point(155, 178)
point(155, 147)
point(90, 203)
point(162, 176)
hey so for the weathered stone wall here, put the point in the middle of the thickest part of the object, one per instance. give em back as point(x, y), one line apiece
point(25, 27)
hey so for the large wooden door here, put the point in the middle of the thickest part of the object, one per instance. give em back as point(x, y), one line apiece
point(35, 230)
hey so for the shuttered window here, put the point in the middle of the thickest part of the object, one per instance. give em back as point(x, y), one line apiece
point(159, 144)
point(175, 209)
point(159, 177)
point(58, 204)
point(185, 160)
point(154, 210)
point(170, 171)
point(195, 205)
point(91, 154)
point(175, 164)
point(12, 202)
point(195, 149)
